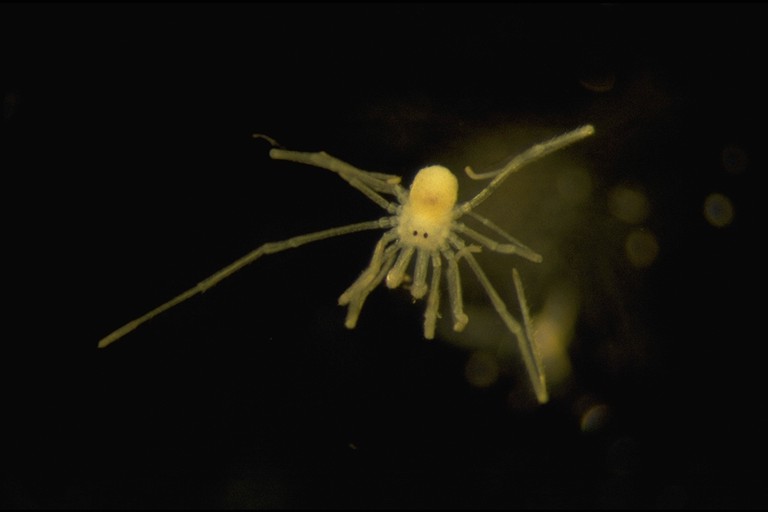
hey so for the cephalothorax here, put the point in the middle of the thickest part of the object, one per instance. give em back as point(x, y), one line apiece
point(423, 223)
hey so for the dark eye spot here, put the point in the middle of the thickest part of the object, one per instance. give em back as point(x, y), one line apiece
point(425, 235)
point(415, 233)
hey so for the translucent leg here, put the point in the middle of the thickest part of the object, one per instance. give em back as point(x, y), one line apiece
point(433, 301)
point(514, 247)
point(362, 289)
point(535, 367)
point(453, 277)
point(396, 275)
point(419, 286)
point(524, 340)
point(268, 248)
point(530, 155)
point(370, 273)
point(367, 182)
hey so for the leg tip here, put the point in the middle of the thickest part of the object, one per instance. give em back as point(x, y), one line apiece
point(461, 323)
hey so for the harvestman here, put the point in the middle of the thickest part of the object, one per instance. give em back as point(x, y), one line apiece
point(423, 221)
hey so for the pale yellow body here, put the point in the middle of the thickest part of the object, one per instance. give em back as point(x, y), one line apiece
point(422, 223)
point(425, 220)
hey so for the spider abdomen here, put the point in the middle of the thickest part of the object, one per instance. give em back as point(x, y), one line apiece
point(426, 217)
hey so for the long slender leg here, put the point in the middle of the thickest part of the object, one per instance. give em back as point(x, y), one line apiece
point(433, 300)
point(525, 343)
point(535, 355)
point(268, 248)
point(367, 182)
point(358, 296)
point(513, 248)
point(530, 155)
point(453, 277)
point(525, 251)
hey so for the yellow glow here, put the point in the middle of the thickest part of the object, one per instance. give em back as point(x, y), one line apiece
point(574, 186)
point(481, 370)
point(594, 418)
point(553, 330)
point(641, 248)
point(628, 204)
point(718, 210)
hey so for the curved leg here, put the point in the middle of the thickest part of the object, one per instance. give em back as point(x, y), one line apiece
point(530, 155)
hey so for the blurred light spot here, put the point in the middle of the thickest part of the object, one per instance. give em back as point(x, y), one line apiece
point(598, 81)
point(628, 204)
point(594, 418)
point(481, 370)
point(574, 185)
point(481, 334)
point(641, 247)
point(718, 210)
point(553, 330)
point(735, 159)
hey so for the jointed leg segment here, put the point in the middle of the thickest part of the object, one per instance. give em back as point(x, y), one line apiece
point(392, 257)
point(460, 319)
point(268, 248)
point(354, 297)
point(522, 249)
point(396, 275)
point(531, 155)
point(433, 300)
point(369, 183)
point(369, 274)
point(525, 342)
point(512, 248)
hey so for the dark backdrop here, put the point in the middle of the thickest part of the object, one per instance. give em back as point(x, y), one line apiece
point(130, 173)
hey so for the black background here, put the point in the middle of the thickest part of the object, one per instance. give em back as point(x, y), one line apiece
point(130, 174)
